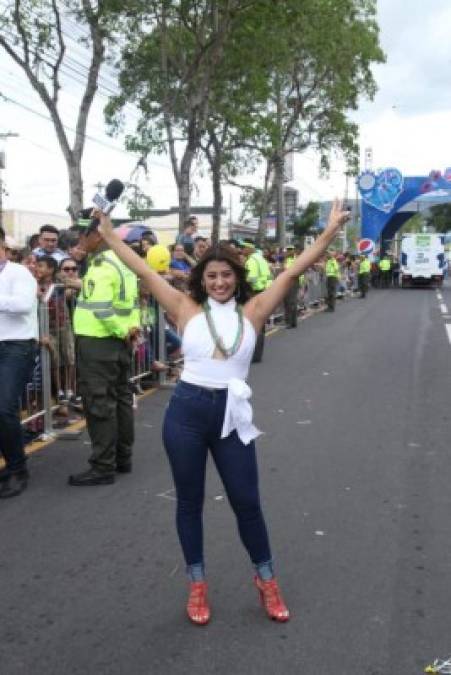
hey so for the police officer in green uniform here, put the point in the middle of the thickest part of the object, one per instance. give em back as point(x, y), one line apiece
point(364, 275)
point(258, 274)
point(290, 302)
point(332, 277)
point(106, 321)
point(385, 268)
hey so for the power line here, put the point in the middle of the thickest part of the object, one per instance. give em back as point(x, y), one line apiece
point(111, 80)
point(63, 109)
point(91, 138)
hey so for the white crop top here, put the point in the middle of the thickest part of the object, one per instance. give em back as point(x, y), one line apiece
point(198, 347)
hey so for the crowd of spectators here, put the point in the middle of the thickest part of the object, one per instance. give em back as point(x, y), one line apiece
point(58, 263)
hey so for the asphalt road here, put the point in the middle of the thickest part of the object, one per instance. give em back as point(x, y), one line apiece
point(355, 474)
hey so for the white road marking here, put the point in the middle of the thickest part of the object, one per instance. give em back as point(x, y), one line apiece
point(167, 495)
point(448, 330)
point(304, 422)
point(443, 308)
point(439, 295)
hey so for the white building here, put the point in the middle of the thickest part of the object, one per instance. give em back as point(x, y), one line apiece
point(22, 224)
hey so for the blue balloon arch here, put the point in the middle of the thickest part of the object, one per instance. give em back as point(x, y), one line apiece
point(389, 200)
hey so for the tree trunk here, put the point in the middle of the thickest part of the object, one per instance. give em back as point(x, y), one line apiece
point(75, 189)
point(280, 200)
point(183, 177)
point(217, 202)
point(266, 198)
point(184, 191)
point(49, 92)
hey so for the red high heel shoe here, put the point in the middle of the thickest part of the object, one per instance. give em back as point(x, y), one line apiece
point(272, 600)
point(197, 607)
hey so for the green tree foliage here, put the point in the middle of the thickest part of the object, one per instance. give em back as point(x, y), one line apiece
point(251, 203)
point(307, 221)
point(136, 200)
point(413, 225)
point(329, 51)
point(439, 218)
point(246, 81)
point(168, 67)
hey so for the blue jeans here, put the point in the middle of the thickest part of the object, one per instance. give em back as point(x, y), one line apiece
point(16, 366)
point(192, 426)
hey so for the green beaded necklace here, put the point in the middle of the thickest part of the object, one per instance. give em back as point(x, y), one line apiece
point(220, 346)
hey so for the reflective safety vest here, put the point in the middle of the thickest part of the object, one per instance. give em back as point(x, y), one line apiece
point(332, 268)
point(365, 266)
point(107, 305)
point(385, 265)
point(258, 272)
point(288, 262)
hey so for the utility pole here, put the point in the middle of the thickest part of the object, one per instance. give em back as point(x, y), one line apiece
point(3, 136)
point(279, 173)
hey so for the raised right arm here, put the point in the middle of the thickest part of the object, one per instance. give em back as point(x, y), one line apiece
point(174, 301)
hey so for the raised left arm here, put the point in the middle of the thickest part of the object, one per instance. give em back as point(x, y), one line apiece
point(261, 306)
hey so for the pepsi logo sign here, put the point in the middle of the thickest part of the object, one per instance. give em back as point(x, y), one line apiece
point(365, 246)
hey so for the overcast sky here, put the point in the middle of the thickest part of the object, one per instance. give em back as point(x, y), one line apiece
point(407, 125)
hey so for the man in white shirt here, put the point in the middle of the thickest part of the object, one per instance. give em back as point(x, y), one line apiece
point(18, 335)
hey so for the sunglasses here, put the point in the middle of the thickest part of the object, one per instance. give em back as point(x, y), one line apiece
point(69, 269)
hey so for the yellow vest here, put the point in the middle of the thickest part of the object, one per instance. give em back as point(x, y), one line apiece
point(332, 268)
point(384, 265)
point(258, 272)
point(107, 305)
point(365, 266)
point(288, 262)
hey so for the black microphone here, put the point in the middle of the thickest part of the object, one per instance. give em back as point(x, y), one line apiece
point(106, 204)
point(113, 191)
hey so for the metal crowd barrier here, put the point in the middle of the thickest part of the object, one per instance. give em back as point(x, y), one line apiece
point(53, 383)
point(53, 379)
point(36, 400)
point(315, 288)
point(144, 349)
point(52, 387)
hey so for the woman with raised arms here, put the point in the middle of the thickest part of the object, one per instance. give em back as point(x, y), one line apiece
point(209, 409)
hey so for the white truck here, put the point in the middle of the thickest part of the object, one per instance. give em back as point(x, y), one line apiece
point(423, 260)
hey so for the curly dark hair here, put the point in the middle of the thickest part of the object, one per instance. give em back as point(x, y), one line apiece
point(220, 253)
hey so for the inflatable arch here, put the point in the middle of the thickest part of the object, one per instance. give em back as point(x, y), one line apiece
point(389, 200)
